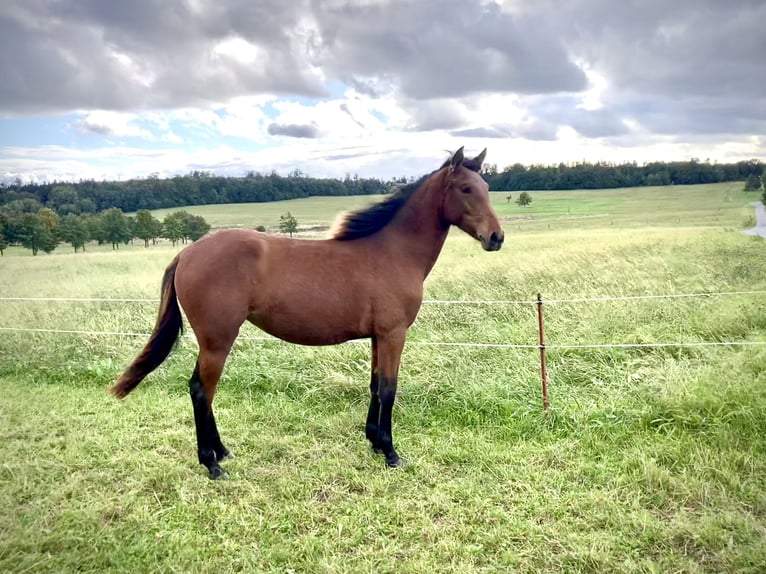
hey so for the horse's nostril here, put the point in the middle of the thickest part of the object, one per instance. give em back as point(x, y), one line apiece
point(496, 238)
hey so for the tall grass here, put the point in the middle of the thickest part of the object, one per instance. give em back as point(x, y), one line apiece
point(651, 460)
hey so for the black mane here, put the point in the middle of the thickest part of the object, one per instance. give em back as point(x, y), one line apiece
point(371, 219)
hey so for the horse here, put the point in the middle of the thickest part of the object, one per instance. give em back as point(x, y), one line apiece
point(363, 282)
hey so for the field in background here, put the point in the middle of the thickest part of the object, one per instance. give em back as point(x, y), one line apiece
point(691, 205)
point(310, 212)
point(652, 460)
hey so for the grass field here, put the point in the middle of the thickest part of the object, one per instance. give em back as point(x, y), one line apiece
point(715, 204)
point(651, 460)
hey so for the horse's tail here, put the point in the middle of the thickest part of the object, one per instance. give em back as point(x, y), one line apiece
point(163, 338)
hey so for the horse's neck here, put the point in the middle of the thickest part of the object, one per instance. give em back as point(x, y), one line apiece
point(417, 231)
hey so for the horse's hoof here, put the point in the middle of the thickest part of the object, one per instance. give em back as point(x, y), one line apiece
point(217, 473)
point(394, 462)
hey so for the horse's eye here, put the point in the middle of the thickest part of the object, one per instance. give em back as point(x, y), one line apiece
point(465, 189)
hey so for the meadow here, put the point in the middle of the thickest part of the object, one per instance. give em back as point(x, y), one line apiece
point(682, 205)
point(652, 459)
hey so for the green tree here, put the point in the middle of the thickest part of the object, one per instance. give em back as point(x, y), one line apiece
point(752, 183)
point(173, 227)
point(74, 230)
point(11, 221)
point(489, 169)
point(195, 226)
point(95, 225)
point(3, 240)
point(288, 223)
point(24, 205)
point(524, 199)
point(50, 220)
point(64, 199)
point(115, 227)
point(157, 230)
point(34, 234)
point(131, 232)
point(147, 226)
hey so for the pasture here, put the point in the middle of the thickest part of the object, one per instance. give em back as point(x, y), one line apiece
point(651, 459)
point(683, 205)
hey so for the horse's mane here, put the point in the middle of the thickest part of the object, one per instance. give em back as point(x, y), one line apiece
point(369, 220)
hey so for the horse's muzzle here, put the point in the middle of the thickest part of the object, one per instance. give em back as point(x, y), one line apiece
point(494, 242)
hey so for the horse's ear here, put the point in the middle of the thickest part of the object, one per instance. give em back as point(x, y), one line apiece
point(480, 158)
point(457, 158)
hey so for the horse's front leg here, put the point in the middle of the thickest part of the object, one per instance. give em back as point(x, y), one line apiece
point(389, 353)
point(373, 413)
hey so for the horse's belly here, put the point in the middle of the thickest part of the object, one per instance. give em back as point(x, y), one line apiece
point(305, 325)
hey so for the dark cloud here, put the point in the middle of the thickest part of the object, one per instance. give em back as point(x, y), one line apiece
point(685, 47)
point(550, 112)
point(692, 115)
point(345, 109)
point(676, 68)
point(88, 54)
point(449, 48)
point(681, 67)
point(294, 130)
point(89, 127)
point(152, 53)
point(488, 132)
point(537, 130)
point(533, 130)
point(441, 114)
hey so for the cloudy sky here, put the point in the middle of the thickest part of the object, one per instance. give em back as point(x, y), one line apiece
point(102, 89)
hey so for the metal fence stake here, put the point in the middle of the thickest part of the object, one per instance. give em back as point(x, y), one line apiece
point(543, 370)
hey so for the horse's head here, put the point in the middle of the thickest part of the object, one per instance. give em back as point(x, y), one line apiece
point(466, 200)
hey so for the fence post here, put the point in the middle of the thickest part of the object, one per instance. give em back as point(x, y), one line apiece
point(543, 370)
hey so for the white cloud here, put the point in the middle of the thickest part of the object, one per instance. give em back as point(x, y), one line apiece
point(239, 49)
point(111, 124)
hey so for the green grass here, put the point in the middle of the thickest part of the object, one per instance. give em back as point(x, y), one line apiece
point(309, 212)
point(651, 460)
point(692, 205)
point(721, 204)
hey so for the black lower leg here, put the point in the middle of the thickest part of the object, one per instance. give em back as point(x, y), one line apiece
point(385, 440)
point(206, 441)
point(373, 416)
point(221, 452)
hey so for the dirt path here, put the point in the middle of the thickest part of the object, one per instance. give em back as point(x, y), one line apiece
point(760, 221)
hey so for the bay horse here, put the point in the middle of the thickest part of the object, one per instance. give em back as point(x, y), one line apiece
point(365, 281)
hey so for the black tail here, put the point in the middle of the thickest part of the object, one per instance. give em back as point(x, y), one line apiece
point(163, 338)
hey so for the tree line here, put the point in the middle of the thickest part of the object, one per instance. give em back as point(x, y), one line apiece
point(43, 229)
point(195, 188)
point(602, 175)
point(202, 187)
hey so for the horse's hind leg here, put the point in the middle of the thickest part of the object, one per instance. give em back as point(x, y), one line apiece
point(202, 386)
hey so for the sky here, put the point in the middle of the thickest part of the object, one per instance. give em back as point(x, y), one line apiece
point(94, 89)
